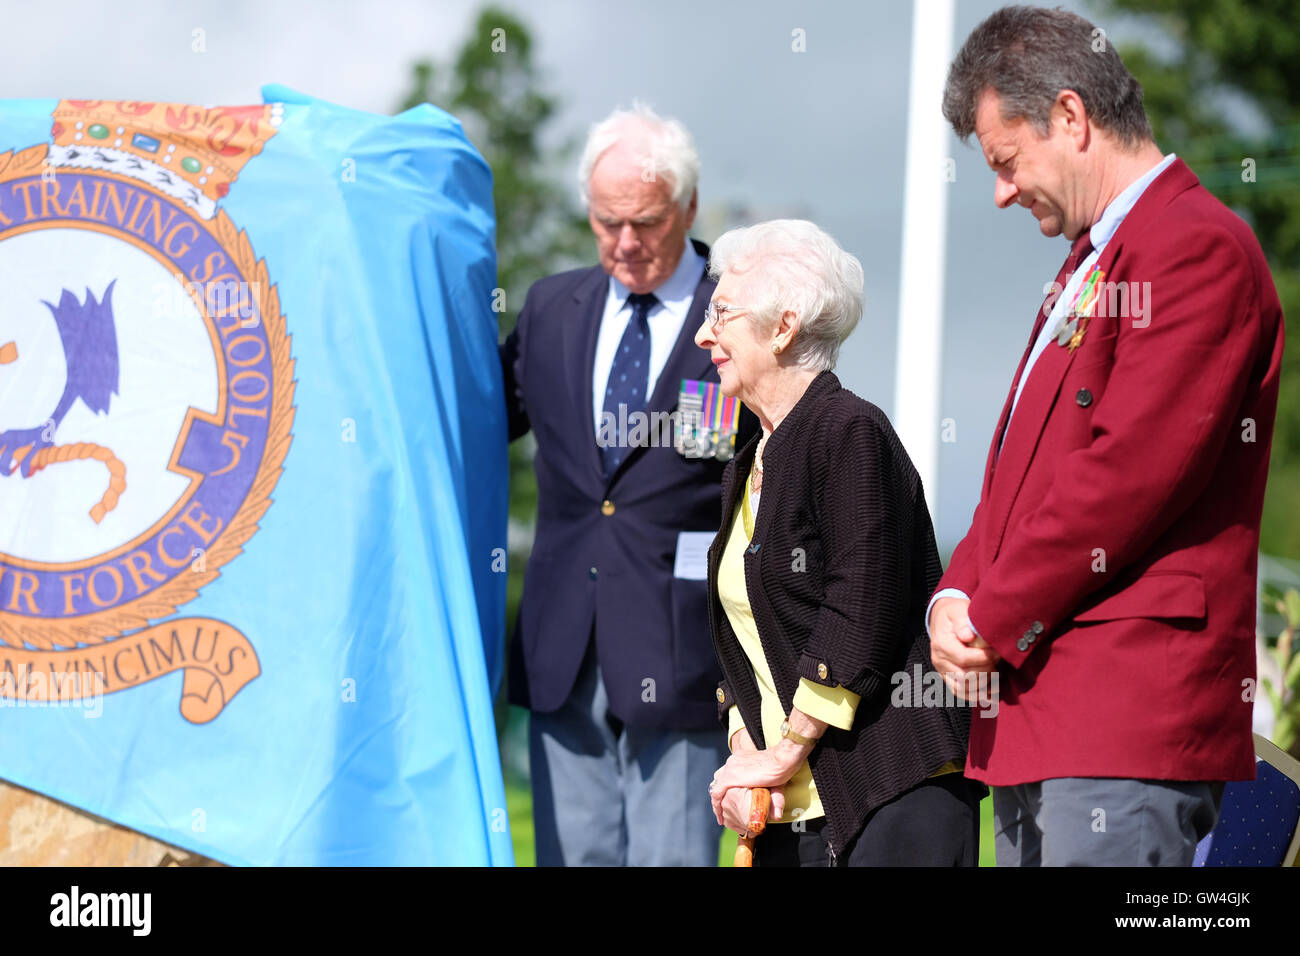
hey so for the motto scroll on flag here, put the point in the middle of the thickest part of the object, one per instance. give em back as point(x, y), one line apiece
point(253, 477)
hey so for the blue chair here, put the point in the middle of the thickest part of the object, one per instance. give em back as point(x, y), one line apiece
point(1259, 821)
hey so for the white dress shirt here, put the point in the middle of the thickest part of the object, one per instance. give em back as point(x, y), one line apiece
point(675, 295)
point(1099, 235)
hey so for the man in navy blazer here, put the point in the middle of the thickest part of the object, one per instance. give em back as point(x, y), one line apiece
point(612, 653)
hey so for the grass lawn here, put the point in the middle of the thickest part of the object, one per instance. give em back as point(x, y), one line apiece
point(519, 803)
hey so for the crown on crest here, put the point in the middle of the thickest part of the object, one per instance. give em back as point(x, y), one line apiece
point(193, 153)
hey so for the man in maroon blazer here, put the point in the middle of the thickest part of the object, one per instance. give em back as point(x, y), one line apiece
point(1108, 576)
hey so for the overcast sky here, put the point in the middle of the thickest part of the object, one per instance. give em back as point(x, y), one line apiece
point(818, 134)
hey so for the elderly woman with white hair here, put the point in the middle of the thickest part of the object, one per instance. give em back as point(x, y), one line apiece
point(819, 579)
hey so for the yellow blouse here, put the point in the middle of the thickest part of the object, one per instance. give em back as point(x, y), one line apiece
point(835, 705)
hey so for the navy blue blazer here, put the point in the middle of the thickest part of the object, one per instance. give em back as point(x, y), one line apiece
point(604, 552)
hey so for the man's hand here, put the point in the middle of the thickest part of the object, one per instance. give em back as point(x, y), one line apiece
point(955, 649)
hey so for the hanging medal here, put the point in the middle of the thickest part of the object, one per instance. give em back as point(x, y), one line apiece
point(1069, 334)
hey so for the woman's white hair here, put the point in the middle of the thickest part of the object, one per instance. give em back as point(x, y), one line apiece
point(666, 145)
point(796, 267)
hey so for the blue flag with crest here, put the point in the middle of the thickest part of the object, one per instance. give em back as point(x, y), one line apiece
point(253, 477)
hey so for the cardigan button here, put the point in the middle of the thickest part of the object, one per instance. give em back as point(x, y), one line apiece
point(722, 697)
point(1084, 398)
point(822, 671)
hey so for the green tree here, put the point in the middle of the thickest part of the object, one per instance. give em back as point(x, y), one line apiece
point(1225, 96)
point(496, 91)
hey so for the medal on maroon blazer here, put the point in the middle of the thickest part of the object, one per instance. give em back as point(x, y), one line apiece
point(1070, 331)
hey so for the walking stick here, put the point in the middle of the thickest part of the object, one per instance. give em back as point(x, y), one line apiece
point(760, 802)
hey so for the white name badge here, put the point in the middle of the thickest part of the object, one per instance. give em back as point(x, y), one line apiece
point(692, 561)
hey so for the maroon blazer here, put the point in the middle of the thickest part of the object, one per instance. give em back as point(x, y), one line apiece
point(1111, 559)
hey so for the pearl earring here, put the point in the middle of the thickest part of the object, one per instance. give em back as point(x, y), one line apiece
point(775, 347)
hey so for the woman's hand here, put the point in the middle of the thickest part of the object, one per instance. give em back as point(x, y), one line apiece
point(769, 768)
point(750, 767)
point(761, 768)
point(735, 807)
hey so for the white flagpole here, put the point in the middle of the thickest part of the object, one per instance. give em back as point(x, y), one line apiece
point(925, 228)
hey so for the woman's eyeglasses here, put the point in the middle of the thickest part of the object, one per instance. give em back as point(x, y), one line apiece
point(718, 315)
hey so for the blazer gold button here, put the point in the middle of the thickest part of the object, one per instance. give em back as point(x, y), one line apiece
point(822, 671)
point(607, 507)
point(1083, 397)
point(722, 698)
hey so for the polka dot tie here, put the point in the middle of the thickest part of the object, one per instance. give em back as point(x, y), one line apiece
point(629, 375)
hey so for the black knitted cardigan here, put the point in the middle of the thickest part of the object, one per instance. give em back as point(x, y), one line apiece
point(838, 573)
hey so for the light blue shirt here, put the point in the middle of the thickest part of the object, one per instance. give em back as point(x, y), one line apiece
point(1099, 235)
point(675, 295)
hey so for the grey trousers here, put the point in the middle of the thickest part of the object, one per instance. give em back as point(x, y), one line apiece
point(606, 794)
point(1102, 821)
